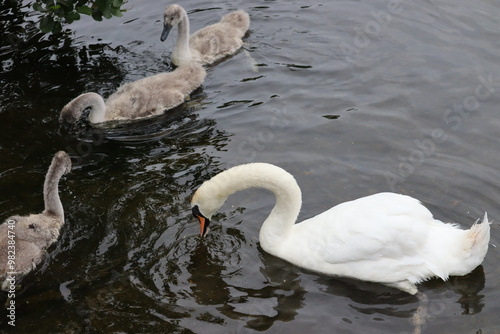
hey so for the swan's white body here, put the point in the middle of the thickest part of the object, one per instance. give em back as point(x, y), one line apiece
point(386, 238)
point(146, 97)
point(209, 44)
point(33, 234)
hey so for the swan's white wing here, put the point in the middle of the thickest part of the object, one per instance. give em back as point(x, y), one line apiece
point(376, 229)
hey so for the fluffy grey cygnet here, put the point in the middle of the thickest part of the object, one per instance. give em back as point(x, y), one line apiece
point(209, 44)
point(25, 239)
point(146, 97)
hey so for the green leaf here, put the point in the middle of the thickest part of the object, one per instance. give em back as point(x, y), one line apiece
point(116, 12)
point(101, 5)
point(72, 16)
point(65, 3)
point(57, 28)
point(97, 16)
point(60, 12)
point(117, 3)
point(84, 10)
point(46, 24)
point(38, 7)
point(107, 13)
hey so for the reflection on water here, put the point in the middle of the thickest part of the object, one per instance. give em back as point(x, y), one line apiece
point(345, 125)
point(375, 299)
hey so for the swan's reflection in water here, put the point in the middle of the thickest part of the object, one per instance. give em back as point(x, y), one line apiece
point(382, 303)
point(216, 279)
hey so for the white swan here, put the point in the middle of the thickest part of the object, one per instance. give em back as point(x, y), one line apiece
point(209, 44)
point(386, 238)
point(24, 240)
point(142, 98)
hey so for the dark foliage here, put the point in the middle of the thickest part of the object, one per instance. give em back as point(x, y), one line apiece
point(58, 12)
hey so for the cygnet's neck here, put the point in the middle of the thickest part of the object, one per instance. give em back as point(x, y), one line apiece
point(283, 185)
point(73, 110)
point(60, 165)
point(182, 52)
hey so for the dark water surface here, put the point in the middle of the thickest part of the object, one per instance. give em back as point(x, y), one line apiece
point(351, 97)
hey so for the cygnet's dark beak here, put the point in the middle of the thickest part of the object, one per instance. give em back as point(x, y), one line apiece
point(204, 222)
point(166, 30)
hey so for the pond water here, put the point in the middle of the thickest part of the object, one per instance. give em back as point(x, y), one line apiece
point(351, 97)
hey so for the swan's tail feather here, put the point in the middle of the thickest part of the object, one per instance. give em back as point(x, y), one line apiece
point(480, 233)
point(478, 237)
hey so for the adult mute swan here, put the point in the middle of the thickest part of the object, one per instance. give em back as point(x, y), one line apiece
point(149, 96)
point(24, 240)
point(385, 238)
point(209, 44)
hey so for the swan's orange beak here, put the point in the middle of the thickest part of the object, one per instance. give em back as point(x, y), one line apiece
point(203, 225)
point(204, 222)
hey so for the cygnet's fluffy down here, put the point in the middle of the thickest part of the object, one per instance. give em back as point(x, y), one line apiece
point(25, 239)
point(208, 44)
point(146, 97)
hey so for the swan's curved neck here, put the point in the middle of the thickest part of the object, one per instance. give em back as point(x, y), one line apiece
point(73, 110)
point(261, 175)
point(183, 52)
point(57, 169)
